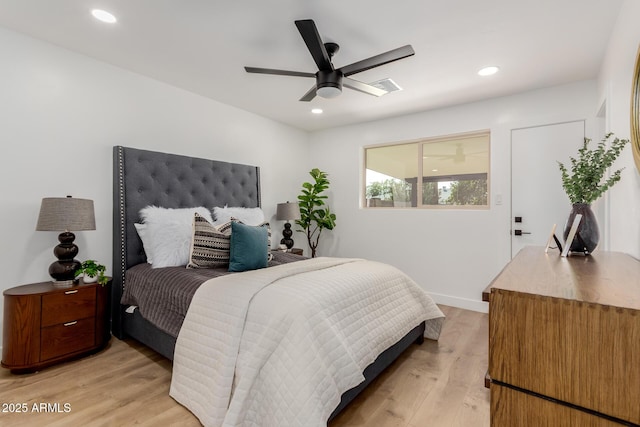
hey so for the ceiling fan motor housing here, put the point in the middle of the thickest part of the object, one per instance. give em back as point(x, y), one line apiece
point(329, 83)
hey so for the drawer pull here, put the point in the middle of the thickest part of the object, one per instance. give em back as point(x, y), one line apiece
point(71, 323)
point(71, 292)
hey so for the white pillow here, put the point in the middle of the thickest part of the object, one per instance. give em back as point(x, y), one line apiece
point(169, 234)
point(146, 240)
point(249, 216)
point(155, 214)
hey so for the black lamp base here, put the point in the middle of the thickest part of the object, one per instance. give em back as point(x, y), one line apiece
point(287, 233)
point(65, 268)
point(63, 271)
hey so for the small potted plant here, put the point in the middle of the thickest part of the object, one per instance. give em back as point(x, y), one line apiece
point(93, 272)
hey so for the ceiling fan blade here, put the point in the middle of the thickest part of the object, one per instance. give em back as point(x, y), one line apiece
point(278, 72)
point(362, 87)
point(376, 61)
point(311, 37)
point(309, 95)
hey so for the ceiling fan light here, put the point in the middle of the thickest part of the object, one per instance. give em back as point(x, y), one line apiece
point(328, 92)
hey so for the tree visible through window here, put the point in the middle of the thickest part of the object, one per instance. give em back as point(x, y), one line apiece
point(470, 192)
point(447, 171)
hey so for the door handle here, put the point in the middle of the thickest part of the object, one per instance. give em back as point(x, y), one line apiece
point(520, 232)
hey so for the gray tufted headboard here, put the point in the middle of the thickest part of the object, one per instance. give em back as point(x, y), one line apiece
point(142, 178)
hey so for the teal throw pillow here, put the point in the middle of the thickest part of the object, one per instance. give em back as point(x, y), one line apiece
point(248, 248)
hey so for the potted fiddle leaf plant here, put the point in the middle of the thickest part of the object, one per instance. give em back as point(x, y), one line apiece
point(315, 215)
point(92, 272)
point(585, 182)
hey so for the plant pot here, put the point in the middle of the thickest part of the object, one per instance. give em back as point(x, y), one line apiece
point(89, 279)
point(588, 229)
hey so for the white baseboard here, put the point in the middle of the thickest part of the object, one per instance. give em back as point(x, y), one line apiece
point(467, 304)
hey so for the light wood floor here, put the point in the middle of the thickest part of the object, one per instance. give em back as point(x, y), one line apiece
point(440, 384)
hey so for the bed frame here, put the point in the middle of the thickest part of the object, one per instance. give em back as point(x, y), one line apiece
point(142, 178)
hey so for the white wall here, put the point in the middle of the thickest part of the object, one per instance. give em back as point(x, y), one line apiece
point(60, 115)
point(58, 108)
point(614, 87)
point(453, 254)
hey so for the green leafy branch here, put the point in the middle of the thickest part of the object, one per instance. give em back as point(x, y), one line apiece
point(586, 182)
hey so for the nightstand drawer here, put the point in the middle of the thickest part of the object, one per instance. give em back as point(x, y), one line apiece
point(67, 306)
point(67, 338)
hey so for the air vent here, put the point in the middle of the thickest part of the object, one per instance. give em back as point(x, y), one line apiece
point(386, 84)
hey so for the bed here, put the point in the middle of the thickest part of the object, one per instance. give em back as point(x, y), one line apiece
point(142, 178)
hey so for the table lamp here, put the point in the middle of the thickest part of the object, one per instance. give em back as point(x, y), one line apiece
point(286, 212)
point(65, 214)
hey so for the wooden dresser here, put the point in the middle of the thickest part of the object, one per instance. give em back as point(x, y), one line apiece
point(564, 340)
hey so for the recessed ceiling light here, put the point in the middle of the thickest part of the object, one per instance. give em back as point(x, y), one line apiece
point(104, 16)
point(317, 111)
point(488, 71)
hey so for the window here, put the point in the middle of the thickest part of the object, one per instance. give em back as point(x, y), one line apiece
point(443, 171)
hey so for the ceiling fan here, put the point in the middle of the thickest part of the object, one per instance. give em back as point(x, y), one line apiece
point(458, 156)
point(329, 80)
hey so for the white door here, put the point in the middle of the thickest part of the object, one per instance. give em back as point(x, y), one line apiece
point(537, 198)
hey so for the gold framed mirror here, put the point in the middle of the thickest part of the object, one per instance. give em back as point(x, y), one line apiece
point(635, 112)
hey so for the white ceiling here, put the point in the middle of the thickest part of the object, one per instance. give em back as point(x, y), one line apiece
point(202, 46)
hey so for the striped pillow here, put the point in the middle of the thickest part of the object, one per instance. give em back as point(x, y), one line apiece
point(210, 244)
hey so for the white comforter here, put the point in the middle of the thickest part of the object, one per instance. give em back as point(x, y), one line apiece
point(278, 346)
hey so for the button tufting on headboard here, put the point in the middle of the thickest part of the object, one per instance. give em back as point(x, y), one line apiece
point(142, 178)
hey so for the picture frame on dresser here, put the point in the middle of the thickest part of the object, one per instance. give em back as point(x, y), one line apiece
point(572, 235)
point(553, 238)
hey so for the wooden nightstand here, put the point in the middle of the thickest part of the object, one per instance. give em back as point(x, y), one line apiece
point(295, 251)
point(45, 324)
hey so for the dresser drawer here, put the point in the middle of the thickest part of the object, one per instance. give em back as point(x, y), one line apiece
point(69, 305)
point(517, 409)
point(67, 338)
point(585, 354)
